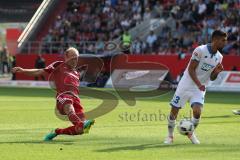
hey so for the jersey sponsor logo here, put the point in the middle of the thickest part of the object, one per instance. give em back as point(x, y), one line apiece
point(233, 78)
point(206, 67)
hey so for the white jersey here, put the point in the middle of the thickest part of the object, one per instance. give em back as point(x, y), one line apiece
point(187, 90)
point(207, 62)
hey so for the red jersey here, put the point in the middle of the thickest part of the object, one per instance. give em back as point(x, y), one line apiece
point(65, 79)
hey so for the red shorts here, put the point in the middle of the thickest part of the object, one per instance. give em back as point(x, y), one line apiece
point(64, 99)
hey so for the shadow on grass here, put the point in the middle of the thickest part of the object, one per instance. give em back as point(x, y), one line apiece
point(208, 147)
point(138, 147)
point(64, 142)
point(26, 92)
point(223, 116)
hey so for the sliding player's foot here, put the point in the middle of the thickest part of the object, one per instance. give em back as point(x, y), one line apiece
point(87, 125)
point(193, 138)
point(168, 140)
point(236, 112)
point(50, 136)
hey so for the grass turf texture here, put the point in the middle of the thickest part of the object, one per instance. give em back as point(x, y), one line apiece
point(26, 115)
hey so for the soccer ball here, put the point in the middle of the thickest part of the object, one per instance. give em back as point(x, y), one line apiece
point(185, 127)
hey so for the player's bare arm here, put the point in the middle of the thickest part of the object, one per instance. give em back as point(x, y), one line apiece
point(29, 72)
point(192, 72)
point(219, 68)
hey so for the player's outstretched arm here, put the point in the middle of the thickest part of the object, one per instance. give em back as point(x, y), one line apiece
point(216, 71)
point(192, 72)
point(29, 72)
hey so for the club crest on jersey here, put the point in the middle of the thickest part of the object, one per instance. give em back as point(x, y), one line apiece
point(206, 67)
point(196, 54)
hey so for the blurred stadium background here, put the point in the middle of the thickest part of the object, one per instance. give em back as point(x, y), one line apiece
point(35, 33)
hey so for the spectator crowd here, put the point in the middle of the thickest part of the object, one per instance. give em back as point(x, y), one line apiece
point(6, 62)
point(88, 24)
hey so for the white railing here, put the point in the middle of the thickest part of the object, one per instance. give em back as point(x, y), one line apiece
point(37, 18)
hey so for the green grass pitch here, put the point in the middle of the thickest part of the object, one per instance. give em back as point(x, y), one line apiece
point(26, 115)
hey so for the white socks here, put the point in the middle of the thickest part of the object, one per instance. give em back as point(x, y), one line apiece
point(171, 126)
point(195, 122)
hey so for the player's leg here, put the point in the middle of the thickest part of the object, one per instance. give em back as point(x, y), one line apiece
point(80, 113)
point(177, 103)
point(77, 127)
point(172, 120)
point(67, 109)
point(171, 124)
point(197, 101)
point(79, 109)
point(197, 110)
point(196, 107)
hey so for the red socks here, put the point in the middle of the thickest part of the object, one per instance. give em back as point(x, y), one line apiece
point(74, 118)
point(73, 130)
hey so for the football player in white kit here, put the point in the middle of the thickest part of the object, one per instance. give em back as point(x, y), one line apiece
point(205, 64)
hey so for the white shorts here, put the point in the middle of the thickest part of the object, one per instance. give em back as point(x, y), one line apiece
point(181, 97)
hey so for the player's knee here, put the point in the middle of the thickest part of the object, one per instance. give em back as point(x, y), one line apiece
point(68, 108)
point(174, 113)
point(197, 111)
point(197, 114)
point(172, 117)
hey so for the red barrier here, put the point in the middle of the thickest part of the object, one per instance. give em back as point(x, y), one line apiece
point(172, 62)
point(175, 65)
point(12, 35)
point(28, 61)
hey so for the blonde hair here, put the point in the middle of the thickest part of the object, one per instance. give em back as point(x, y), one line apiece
point(72, 49)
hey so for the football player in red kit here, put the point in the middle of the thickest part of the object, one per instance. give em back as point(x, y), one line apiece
point(65, 77)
